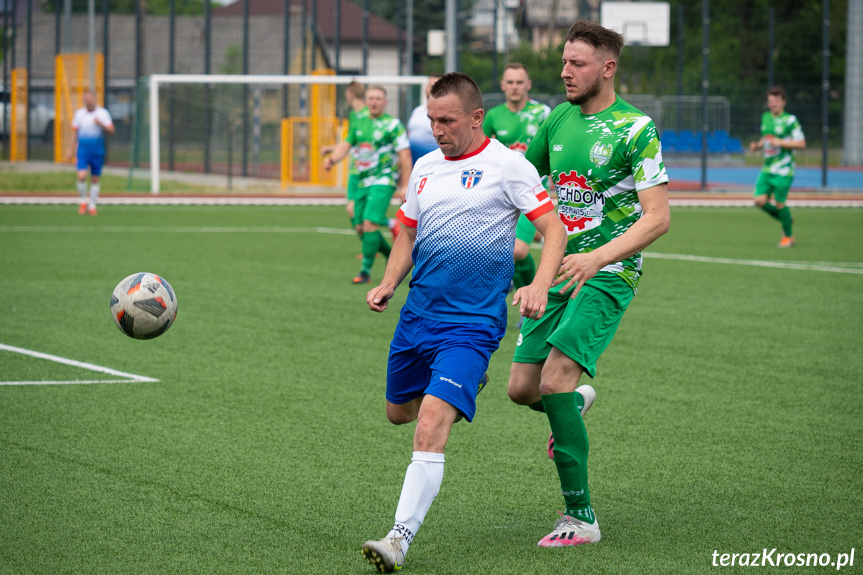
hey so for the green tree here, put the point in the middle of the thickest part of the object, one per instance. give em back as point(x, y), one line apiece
point(428, 15)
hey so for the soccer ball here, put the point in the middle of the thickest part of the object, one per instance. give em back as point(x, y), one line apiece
point(143, 306)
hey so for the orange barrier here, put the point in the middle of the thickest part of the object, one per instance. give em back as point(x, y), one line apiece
point(72, 80)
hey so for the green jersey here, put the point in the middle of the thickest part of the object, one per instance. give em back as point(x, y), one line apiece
point(780, 161)
point(599, 164)
point(375, 143)
point(515, 130)
point(353, 117)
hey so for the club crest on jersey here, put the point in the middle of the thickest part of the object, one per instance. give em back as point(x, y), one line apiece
point(600, 153)
point(470, 178)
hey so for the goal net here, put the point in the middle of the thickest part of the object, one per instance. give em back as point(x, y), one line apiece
point(245, 133)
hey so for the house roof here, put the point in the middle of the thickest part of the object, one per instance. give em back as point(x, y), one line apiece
point(380, 30)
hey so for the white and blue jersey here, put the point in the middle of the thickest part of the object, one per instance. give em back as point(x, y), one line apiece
point(465, 211)
point(91, 140)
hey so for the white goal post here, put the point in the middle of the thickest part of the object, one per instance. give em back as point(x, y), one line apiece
point(157, 80)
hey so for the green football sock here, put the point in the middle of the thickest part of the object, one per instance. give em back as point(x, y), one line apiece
point(371, 243)
point(525, 269)
point(384, 246)
point(570, 452)
point(785, 218)
point(771, 210)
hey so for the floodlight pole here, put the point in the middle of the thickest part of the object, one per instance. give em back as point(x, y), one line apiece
point(771, 34)
point(451, 33)
point(91, 44)
point(705, 88)
point(825, 95)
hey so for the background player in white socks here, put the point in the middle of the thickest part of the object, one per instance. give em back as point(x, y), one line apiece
point(462, 204)
point(90, 123)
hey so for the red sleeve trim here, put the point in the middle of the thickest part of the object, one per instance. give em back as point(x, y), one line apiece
point(543, 209)
point(406, 220)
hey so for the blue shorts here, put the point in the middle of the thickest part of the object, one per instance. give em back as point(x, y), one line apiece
point(91, 154)
point(442, 359)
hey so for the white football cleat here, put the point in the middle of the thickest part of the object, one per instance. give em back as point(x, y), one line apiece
point(569, 531)
point(385, 555)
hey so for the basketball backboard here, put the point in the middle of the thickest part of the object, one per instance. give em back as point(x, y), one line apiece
point(641, 23)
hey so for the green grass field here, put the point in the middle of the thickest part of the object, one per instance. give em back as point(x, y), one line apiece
point(727, 418)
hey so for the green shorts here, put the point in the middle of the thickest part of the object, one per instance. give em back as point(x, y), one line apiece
point(773, 185)
point(372, 203)
point(353, 186)
point(582, 328)
point(524, 230)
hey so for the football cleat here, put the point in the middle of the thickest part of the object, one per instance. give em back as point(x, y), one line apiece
point(363, 278)
point(92, 210)
point(82, 209)
point(569, 531)
point(480, 386)
point(482, 381)
point(589, 395)
point(385, 555)
point(787, 242)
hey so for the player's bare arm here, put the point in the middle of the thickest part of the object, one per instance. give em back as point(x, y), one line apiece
point(655, 220)
point(337, 155)
point(786, 143)
point(107, 128)
point(399, 264)
point(533, 298)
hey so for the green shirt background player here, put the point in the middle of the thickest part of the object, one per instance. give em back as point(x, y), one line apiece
point(355, 94)
point(605, 159)
point(515, 123)
point(381, 153)
point(781, 136)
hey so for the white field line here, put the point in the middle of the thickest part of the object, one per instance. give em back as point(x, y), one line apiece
point(181, 229)
point(177, 201)
point(814, 266)
point(129, 377)
point(833, 267)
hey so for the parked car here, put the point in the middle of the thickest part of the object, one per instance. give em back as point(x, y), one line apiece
point(41, 118)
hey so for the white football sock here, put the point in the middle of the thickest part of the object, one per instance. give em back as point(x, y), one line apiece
point(94, 194)
point(82, 189)
point(421, 486)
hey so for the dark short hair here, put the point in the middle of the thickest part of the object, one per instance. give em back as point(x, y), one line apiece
point(357, 89)
point(592, 33)
point(462, 86)
point(778, 91)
